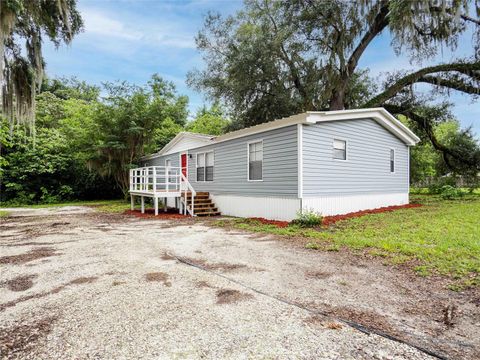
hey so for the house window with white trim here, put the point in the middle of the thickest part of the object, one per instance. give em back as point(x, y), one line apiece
point(205, 164)
point(339, 149)
point(255, 161)
point(392, 160)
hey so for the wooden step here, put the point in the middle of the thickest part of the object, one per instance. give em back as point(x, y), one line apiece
point(200, 201)
point(199, 193)
point(209, 213)
point(203, 206)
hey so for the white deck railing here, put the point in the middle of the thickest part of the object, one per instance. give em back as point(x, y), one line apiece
point(162, 181)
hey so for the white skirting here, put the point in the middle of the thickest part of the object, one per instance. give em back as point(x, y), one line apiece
point(273, 208)
point(343, 204)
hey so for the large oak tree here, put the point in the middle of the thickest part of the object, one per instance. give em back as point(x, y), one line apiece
point(276, 58)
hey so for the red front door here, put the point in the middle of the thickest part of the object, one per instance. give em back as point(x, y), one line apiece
point(184, 164)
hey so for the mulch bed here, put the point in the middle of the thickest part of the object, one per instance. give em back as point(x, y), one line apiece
point(277, 223)
point(162, 215)
point(330, 220)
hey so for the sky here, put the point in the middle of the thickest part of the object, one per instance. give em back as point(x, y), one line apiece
point(133, 39)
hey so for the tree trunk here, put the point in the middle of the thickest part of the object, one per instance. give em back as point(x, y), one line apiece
point(337, 101)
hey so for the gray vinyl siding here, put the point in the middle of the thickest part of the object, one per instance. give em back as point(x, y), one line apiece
point(367, 168)
point(280, 165)
point(160, 161)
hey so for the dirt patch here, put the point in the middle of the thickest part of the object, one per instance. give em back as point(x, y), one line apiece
point(32, 255)
point(333, 325)
point(203, 284)
point(158, 277)
point(368, 319)
point(317, 274)
point(150, 214)
point(22, 337)
point(117, 283)
point(83, 280)
point(20, 283)
point(167, 256)
point(229, 296)
point(215, 266)
point(55, 224)
point(78, 281)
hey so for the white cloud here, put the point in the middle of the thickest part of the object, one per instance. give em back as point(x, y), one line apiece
point(137, 29)
point(97, 23)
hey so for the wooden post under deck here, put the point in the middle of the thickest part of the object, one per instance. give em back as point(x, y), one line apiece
point(142, 201)
point(132, 202)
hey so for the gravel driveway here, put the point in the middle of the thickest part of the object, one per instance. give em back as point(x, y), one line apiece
point(79, 284)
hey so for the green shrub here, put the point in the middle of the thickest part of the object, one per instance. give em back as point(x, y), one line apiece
point(448, 192)
point(307, 218)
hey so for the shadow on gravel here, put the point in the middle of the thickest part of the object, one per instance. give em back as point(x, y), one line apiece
point(20, 283)
point(35, 254)
point(78, 281)
point(229, 296)
point(18, 338)
point(158, 277)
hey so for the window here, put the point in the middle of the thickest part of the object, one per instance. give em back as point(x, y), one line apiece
point(392, 160)
point(255, 161)
point(205, 166)
point(168, 163)
point(339, 149)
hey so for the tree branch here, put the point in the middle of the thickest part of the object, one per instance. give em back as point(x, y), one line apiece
point(426, 125)
point(450, 83)
point(379, 23)
point(416, 76)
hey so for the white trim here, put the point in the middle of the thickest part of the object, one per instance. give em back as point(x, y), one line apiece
point(207, 139)
point(343, 204)
point(300, 159)
point(248, 159)
point(334, 148)
point(378, 114)
point(271, 125)
point(273, 208)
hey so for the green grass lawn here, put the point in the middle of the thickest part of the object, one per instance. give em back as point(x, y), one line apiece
point(110, 206)
point(442, 237)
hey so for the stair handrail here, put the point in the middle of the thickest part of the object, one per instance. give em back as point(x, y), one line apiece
point(185, 193)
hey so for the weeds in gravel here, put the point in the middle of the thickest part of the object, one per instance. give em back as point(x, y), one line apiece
point(4, 213)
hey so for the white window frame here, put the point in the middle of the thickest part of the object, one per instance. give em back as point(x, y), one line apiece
point(346, 149)
point(205, 166)
point(390, 161)
point(248, 158)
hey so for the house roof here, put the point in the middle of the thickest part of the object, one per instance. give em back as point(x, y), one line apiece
point(380, 115)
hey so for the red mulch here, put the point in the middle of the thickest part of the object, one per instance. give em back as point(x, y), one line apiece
point(150, 214)
point(329, 220)
point(280, 224)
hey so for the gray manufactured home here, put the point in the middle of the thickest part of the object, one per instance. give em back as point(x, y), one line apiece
point(332, 162)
